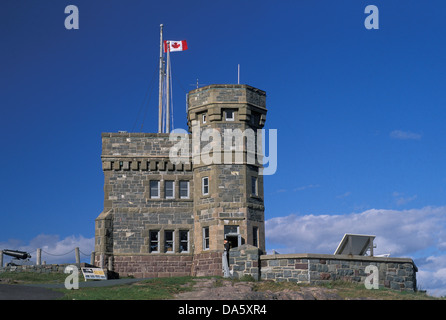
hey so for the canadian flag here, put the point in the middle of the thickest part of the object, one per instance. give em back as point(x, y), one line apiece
point(175, 45)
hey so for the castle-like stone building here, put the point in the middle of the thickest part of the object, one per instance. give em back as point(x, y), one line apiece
point(170, 200)
point(168, 215)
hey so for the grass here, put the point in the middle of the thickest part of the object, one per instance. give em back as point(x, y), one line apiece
point(349, 290)
point(152, 289)
point(166, 288)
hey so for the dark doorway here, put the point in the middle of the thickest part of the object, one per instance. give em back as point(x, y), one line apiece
point(233, 240)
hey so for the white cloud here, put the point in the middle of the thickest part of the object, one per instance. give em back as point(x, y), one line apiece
point(398, 231)
point(432, 275)
point(54, 249)
point(402, 233)
point(404, 135)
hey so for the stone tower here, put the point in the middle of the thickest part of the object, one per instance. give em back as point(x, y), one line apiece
point(228, 194)
point(164, 218)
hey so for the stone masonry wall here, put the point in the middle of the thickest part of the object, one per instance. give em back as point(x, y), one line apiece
point(130, 162)
point(207, 264)
point(46, 268)
point(157, 266)
point(394, 273)
point(244, 261)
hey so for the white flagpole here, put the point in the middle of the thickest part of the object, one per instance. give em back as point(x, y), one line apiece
point(168, 89)
point(161, 75)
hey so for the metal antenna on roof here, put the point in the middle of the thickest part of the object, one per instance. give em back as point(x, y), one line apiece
point(197, 84)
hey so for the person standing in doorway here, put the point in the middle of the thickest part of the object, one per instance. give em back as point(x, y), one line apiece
point(227, 248)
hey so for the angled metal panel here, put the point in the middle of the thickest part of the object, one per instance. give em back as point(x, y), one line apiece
point(355, 244)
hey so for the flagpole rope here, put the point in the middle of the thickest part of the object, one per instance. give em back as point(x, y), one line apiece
point(164, 106)
point(171, 93)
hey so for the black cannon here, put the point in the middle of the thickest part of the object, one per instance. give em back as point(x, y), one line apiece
point(16, 256)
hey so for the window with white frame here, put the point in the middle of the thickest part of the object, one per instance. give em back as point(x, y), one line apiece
point(205, 185)
point(206, 238)
point(169, 189)
point(203, 117)
point(184, 241)
point(154, 189)
point(169, 241)
point(184, 189)
point(154, 240)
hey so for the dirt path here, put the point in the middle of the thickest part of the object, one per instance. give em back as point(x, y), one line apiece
point(217, 289)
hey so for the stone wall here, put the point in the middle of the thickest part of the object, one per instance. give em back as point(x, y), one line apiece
point(244, 261)
point(207, 264)
point(46, 268)
point(393, 273)
point(227, 94)
point(148, 266)
point(130, 162)
point(277, 269)
point(54, 268)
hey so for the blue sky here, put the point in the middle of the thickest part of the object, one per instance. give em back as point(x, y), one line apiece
point(360, 113)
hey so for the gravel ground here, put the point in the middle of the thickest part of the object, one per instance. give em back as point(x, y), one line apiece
point(212, 289)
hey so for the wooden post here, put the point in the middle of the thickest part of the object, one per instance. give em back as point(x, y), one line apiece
point(1, 258)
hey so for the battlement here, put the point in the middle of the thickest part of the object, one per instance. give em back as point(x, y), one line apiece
point(140, 152)
point(227, 93)
point(117, 144)
point(248, 104)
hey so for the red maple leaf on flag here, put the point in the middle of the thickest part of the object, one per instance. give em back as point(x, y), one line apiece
point(175, 45)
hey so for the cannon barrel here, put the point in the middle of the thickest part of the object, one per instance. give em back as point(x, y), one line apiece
point(17, 254)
